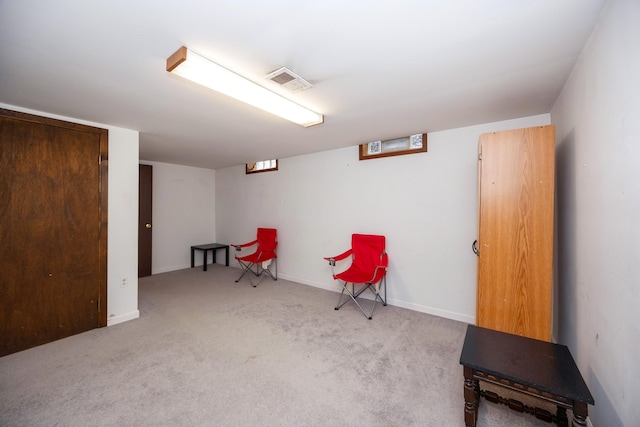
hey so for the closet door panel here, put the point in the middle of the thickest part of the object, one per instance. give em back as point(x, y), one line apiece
point(516, 189)
point(52, 228)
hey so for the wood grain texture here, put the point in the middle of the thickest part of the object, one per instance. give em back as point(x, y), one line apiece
point(516, 194)
point(53, 231)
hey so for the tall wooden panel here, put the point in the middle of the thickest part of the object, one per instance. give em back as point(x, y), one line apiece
point(53, 229)
point(515, 242)
point(145, 216)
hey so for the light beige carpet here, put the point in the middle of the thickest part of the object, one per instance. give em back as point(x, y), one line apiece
point(207, 351)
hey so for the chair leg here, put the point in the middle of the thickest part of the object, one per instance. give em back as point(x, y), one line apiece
point(262, 272)
point(353, 295)
point(245, 268)
point(340, 302)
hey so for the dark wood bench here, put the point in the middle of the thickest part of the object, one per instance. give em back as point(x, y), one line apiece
point(532, 367)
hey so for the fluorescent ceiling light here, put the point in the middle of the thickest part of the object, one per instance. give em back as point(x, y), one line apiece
point(188, 64)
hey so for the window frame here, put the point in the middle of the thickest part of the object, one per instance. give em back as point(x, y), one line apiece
point(404, 143)
point(252, 170)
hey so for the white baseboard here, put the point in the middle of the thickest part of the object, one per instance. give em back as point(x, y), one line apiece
point(434, 311)
point(197, 265)
point(114, 320)
point(173, 268)
point(334, 287)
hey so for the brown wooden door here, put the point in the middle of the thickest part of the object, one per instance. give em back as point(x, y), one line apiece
point(145, 190)
point(52, 230)
point(515, 242)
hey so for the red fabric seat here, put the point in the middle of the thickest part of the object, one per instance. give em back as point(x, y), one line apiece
point(262, 259)
point(368, 270)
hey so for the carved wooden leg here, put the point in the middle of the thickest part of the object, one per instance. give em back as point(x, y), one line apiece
point(561, 417)
point(580, 413)
point(471, 398)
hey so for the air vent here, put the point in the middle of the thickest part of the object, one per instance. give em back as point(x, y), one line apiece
point(288, 80)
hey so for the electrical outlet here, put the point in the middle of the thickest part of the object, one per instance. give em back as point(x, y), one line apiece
point(124, 283)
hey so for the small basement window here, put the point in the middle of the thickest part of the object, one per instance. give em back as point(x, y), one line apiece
point(262, 166)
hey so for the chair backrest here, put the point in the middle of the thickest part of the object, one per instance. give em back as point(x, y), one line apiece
point(368, 250)
point(267, 239)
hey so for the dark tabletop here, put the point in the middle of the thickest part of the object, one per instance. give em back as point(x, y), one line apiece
point(210, 246)
point(545, 366)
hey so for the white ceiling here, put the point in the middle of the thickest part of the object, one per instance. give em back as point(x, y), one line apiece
point(381, 69)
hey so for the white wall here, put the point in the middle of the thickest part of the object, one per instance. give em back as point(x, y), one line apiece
point(183, 215)
point(425, 204)
point(122, 244)
point(598, 181)
point(122, 236)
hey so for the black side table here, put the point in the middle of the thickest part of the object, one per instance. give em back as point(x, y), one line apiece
point(536, 368)
point(213, 247)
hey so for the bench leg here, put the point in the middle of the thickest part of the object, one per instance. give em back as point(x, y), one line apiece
point(561, 417)
point(471, 398)
point(204, 260)
point(580, 413)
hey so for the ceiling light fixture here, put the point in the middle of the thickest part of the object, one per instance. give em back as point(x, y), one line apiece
point(189, 65)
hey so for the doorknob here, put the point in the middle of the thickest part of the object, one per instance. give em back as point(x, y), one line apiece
point(147, 225)
point(474, 248)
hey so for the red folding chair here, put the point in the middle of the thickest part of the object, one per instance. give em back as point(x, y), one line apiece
point(368, 270)
point(262, 258)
